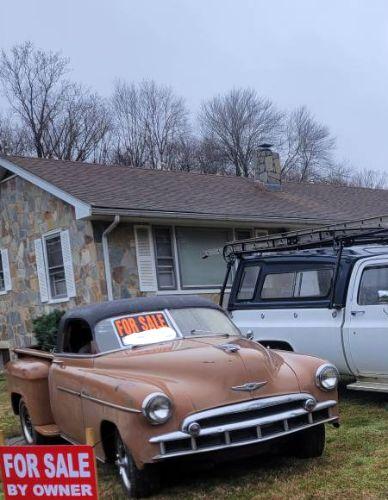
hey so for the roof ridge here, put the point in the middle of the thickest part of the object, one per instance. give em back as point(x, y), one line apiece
point(116, 165)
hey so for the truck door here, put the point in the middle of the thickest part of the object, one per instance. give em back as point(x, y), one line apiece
point(67, 376)
point(66, 384)
point(366, 323)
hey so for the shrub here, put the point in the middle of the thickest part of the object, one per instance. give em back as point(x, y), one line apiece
point(45, 329)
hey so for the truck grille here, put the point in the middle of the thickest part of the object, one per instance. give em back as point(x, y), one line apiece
point(251, 422)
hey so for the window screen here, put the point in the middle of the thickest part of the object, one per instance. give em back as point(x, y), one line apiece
point(2, 282)
point(165, 267)
point(55, 267)
point(248, 281)
point(314, 283)
point(373, 281)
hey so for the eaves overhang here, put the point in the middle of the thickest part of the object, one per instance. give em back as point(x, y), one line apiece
point(103, 212)
point(82, 209)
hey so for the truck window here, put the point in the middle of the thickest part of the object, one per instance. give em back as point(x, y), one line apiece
point(312, 283)
point(248, 282)
point(77, 337)
point(373, 281)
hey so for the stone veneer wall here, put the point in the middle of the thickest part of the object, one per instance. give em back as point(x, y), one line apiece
point(26, 213)
point(122, 254)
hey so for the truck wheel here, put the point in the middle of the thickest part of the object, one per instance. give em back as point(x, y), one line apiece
point(135, 482)
point(29, 433)
point(309, 443)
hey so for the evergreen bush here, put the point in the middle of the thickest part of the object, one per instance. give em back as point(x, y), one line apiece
point(45, 329)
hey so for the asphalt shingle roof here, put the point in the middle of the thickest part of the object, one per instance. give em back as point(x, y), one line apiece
point(120, 187)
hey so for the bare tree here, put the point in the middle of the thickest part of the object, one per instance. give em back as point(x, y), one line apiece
point(13, 138)
point(237, 123)
point(36, 89)
point(368, 178)
point(78, 131)
point(166, 123)
point(151, 125)
point(307, 147)
point(129, 125)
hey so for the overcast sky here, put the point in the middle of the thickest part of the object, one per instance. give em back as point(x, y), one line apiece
point(330, 55)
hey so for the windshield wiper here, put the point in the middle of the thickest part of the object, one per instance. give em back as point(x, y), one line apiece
point(197, 333)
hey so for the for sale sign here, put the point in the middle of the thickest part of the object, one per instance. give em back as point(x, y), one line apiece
point(48, 472)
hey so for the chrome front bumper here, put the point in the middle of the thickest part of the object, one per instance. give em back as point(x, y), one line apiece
point(246, 423)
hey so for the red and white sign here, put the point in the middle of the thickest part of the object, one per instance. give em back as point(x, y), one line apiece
point(48, 472)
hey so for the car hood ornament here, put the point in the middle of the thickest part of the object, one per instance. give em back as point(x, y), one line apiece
point(229, 347)
point(249, 386)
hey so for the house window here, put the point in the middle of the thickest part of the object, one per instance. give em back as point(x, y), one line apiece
point(171, 257)
point(2, 282)
point(243, 234)
point(55, 267)
point(5, 275)
point(194, 271)
point(164, 258)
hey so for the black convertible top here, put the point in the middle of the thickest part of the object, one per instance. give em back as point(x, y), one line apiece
point(96, 312)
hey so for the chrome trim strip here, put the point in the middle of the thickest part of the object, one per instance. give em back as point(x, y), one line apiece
point(255, 404)
point(107, 403)
point(69, 391)
point(276, 417)
point(234, 445)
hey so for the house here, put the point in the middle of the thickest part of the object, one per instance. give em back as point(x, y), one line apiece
point(76, 233)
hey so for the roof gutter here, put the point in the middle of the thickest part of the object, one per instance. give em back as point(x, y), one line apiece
point(105, 251)
point(147, 214)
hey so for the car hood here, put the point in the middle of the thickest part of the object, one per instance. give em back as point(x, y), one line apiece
point(204, 371)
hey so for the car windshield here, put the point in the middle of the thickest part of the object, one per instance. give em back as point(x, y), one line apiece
point(194, 321)
point(135, 330)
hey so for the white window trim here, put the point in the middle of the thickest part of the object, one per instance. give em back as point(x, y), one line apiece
point(45, 237)
point(188, 291)
point(6, 272)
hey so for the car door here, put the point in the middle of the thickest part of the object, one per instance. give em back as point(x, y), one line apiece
point(66, 378)
point(366, 322)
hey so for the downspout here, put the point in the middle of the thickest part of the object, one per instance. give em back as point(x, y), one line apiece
point(105, 251)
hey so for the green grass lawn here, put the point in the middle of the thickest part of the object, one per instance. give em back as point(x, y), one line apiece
point(355, 464)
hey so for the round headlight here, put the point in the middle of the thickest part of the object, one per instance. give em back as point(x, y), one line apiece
point(157, 408)
point(327, 377)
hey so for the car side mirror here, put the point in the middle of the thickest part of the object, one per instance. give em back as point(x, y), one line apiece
point(383, 296)
point(249, 335)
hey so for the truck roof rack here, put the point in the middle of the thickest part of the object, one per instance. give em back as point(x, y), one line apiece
point(370, 230)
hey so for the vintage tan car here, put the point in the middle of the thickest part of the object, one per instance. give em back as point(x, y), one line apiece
point(162, 378)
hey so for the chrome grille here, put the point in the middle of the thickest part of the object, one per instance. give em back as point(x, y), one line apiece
point(245, 423)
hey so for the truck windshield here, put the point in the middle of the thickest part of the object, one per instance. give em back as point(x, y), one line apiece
point(154, 327)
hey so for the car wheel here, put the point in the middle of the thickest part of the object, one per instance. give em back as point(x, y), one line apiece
point(309, 443)
point(135, 482)
point(29, 433)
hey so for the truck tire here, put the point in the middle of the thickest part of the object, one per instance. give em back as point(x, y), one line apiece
point(29, 433)
point(309, 443)
point(136, 483)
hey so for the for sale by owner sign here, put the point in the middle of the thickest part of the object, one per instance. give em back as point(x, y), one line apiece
point(48, 472)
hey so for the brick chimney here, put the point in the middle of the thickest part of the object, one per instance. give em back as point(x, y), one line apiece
point(267, 169)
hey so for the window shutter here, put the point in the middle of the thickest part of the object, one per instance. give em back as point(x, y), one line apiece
point(68, 263)
point(145, 259)
point(6, 271)
point(41, 270)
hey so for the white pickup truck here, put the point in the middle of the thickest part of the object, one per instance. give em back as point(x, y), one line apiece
point(321, 292)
